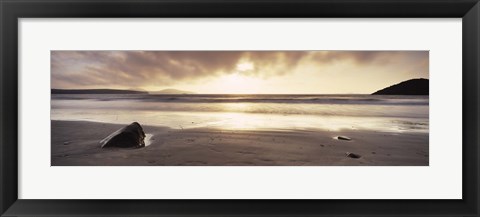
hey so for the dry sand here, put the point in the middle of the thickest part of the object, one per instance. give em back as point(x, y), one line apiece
point(76, 143)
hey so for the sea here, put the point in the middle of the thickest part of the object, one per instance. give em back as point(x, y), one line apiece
point(249, 112)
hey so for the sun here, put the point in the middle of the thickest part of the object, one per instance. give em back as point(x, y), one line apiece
point(234, 81)
point(237, 83)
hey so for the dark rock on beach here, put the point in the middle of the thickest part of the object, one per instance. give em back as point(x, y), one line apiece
point(131, 136)
point(343, 138)
point(352, 155)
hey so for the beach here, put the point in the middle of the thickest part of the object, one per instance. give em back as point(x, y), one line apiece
point(76, 143)
point(242, 130)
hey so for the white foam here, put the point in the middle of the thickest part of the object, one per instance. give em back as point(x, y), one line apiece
point(148, 139)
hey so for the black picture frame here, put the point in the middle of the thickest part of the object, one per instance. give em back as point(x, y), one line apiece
point(12, 10)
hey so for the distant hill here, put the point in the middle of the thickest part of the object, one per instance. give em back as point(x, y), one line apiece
point(96, 91)
point(171, 91)
point(419, 86)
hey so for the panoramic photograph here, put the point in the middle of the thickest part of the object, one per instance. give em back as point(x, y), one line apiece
point(239, 108)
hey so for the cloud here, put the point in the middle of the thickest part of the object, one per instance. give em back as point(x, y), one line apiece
point(87, 69)
point(136, 68)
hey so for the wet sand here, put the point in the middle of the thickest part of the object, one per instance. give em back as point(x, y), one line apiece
point(76, 143)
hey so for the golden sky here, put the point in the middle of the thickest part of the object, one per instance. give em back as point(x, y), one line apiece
point(238, 72)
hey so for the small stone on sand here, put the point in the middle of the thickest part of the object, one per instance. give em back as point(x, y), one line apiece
point(352, 155)
point(343, 138)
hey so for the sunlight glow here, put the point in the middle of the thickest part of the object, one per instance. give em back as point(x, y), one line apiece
point(238, 84)
point(236, 107)
point(246, 66)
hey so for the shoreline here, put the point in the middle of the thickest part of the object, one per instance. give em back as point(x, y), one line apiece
point(76, 143)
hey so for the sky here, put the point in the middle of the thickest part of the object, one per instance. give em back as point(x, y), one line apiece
point(238, 72)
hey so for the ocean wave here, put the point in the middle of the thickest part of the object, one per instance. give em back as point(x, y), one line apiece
point(290, 99)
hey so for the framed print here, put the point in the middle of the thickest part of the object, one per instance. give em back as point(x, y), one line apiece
point(318, 108)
